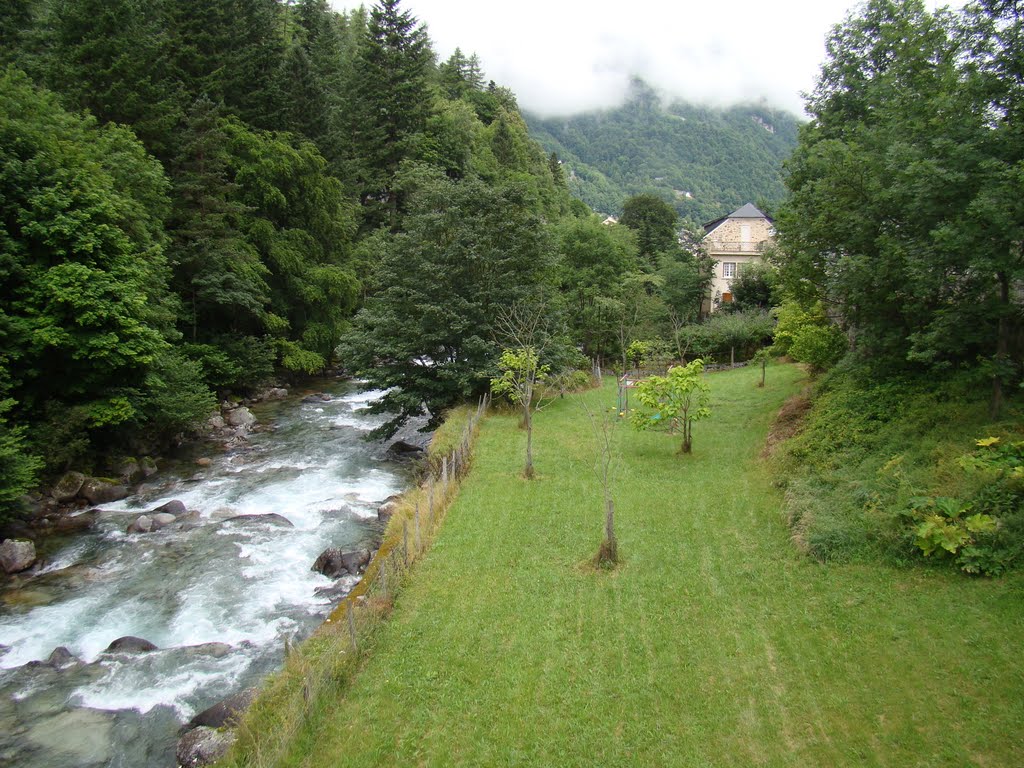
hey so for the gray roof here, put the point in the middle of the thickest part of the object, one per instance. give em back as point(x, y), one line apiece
point(748, 211)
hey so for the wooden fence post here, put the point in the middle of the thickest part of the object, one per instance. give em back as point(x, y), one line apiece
point(352, 627)
point(418, 546)
point(444, 471)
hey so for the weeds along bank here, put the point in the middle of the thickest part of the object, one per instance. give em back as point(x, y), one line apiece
point(894, 467)
point(318, 671)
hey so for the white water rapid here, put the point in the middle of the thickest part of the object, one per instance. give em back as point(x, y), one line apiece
point(219, 599)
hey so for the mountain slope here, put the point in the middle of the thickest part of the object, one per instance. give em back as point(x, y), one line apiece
point(707, 161)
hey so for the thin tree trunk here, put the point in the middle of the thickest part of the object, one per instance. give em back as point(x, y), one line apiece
point(528, 470)
point(609, 519)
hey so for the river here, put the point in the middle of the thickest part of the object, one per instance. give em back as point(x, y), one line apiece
point(219, 599)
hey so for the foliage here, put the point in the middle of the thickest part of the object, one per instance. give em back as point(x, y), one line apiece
point(755, 289)
point(426, 331)
point(972, 532)
point(392, 103)
point(905, 208)
point(593, 263)
point(873, 443)
point(673, 401)
point(654, 222)
point(18, 467)
point(726, 336)
point(808, 336)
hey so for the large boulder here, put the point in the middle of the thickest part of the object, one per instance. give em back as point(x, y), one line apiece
point(225, 713)
point(67, 487)
point(130, 644)
point(387, 510)
point(330, 563)
point(86, 521)
point(147, 465)
point(271, 518)
point(405, 448)
point(162, 519)
point(141, 524)
point(61, 657)
point(317, 397)
point(173, 507)
point(17, 555)
point(97, 491)
point(240, 417)
point(355, 562)
point(277, 393)
point(129, 471)
point(203, 746)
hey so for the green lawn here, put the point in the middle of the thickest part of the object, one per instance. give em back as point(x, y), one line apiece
point(715, 644)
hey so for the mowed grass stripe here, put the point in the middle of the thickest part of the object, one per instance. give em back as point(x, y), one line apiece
point(715, 644)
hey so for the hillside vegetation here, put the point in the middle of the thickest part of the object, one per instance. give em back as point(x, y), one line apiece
point(722, 158)
point(715, 643)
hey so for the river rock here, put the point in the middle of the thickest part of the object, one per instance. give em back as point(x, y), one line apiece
point(240, 417)
point(141, 524)
point(356, 561)
point(387, 510)
point(81, 737)
point(129, 471)
point(61, 657)
point(147, 465)
point(225, 713)
point(276, 393)
point(97, 491)
point(317, 397)
point(212, 650)
point(67, 487)
point(204, 461)
point(270, 519)
point(330, 563)
point(336, 592)
point(129, 644)
point(216, 422)
point(17, 555)
point(203, 746)
point(403, 448)
point(86, 521)
point(173, 507)
point(162, 519)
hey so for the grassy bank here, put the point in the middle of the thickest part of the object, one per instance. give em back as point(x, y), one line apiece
point(872, 443)
point(717, 643)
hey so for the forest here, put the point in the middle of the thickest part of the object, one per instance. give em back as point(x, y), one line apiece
point(201, 197)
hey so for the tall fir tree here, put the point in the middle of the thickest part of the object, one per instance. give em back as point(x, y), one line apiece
point(392, 102)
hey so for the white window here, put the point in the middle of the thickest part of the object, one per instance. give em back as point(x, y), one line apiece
point(728, 269)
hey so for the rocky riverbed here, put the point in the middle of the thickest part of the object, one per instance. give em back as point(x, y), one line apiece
point(215, 584)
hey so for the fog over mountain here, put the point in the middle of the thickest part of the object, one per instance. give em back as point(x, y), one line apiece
point(563, 58)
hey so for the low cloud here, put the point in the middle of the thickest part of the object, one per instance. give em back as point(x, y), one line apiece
point(562, 58)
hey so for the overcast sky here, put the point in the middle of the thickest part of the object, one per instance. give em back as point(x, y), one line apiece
point(561, 57)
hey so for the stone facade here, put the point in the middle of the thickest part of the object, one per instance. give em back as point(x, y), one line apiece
point(735, 242)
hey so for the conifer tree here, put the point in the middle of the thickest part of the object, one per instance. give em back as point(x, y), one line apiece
point(392, 101)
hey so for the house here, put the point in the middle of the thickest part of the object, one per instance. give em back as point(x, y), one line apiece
point(734, 242)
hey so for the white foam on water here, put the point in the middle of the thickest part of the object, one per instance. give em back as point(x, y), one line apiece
point(34, 635)
point(135, 684)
